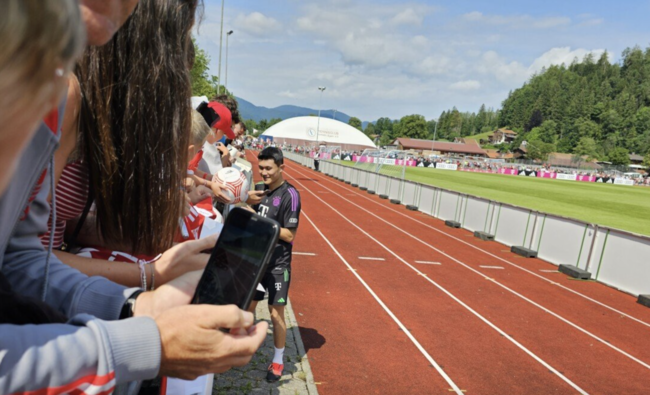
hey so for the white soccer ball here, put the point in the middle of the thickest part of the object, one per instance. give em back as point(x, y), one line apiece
point(236, 184)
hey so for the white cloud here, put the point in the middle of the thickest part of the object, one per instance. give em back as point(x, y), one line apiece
point(558, 56)
point(469, 85)
point(289, 94)
point(407, 17)
point(517, 21)
point(593, 22)
point(492, 63)
point(257, 24)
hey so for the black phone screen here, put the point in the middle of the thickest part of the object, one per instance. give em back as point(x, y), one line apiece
point(238, 260)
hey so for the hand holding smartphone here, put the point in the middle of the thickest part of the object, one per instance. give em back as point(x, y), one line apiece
point(238, 261)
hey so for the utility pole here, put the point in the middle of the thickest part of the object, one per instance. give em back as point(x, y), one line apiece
point(225, 85)
point(320, 105)
point(220, 46)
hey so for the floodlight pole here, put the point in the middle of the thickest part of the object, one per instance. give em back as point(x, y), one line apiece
point(225, 85)
point(435, 131)
point(334, 116)
point(320, 105)
point(220, 47)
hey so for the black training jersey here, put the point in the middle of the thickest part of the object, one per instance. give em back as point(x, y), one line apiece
point(282, 205)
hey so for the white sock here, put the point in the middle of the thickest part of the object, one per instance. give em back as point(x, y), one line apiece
point(279, 356)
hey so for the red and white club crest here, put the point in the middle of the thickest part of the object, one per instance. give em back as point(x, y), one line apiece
point(237, 185)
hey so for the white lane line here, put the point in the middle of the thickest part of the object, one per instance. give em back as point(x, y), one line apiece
point(492, 267)
point(384, 207)
point(388, 311)
point(369, 258)
point(304, 253)
point(428, 263)
point(548, 271)
point(452, 296)
point(586, 332)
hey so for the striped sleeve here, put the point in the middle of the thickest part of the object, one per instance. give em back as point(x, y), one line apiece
point(291, 215)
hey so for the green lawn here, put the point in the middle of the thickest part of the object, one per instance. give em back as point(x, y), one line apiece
point(617, 206)
point(479, 137)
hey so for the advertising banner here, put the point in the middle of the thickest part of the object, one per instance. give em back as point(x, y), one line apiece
point(447, 166)
point(567, 177)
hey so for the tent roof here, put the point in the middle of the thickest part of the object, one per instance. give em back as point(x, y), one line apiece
point(331, 131)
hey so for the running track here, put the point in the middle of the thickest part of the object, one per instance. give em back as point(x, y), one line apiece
point(436, 311)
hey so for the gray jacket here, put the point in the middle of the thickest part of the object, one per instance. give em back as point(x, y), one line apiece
point(90, 352)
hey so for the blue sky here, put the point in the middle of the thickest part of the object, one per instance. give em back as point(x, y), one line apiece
point(393, 58)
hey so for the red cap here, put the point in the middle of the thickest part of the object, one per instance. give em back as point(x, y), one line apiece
point(225, 119)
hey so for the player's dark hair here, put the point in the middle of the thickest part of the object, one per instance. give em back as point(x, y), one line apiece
point(272, 153)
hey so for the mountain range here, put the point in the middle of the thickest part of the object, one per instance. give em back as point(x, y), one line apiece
point(248, 110)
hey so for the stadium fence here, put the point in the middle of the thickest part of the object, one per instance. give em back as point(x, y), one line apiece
point(613, 257)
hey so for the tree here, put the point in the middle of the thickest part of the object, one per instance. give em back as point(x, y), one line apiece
point(369, 130)
point(383, 125)
point(646, 161)
point(413, 126)
point(587, 147)
point(355, 123)
point(431, 128)
point(619, 156)
point(538, 149)
point(203, 84)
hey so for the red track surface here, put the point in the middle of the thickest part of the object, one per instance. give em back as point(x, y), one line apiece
point(492, 331)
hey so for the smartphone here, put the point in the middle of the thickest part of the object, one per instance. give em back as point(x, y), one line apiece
point(238, 260)
point(260, 186)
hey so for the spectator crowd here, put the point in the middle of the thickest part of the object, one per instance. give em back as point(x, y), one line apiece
point(109, 198)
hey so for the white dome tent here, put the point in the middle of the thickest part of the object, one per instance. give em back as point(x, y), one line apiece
point(302, 131)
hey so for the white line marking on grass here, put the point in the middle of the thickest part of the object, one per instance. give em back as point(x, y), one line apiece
point(369, 258)
point(559, 317)
point(452, 296)
point(506, 261)
point(304, 253)
point(492, 267)
point(428, 263)
point(387, 310)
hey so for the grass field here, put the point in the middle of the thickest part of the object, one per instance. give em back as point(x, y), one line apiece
point(480, 136)
point(617, 206)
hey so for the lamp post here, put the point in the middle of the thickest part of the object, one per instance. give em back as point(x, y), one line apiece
point(435, 131)
point(220, 47)
point(334, 116)
point(225, 85)
point(320, 104)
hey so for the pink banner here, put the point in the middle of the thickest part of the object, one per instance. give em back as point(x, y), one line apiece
point(510, 172)
point(546, 174)
point(586, 178)
point(475, 170)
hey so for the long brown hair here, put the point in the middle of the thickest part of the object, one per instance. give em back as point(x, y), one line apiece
point(135, 124)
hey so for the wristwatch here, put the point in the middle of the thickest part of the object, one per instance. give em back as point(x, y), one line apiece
point(129, 306)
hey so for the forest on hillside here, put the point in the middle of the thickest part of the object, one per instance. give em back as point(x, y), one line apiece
point(591, 107)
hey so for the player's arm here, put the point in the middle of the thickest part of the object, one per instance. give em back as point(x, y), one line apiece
point(287, 235)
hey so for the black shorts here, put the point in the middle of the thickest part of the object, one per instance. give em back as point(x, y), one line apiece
point(277, 285)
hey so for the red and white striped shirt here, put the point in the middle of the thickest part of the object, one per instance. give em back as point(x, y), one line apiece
point(71, 197)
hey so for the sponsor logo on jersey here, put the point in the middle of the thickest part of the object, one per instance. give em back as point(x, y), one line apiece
point(293, 221)
point(278, 286)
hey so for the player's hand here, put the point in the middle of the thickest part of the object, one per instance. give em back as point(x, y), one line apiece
point(193, 346)
point(255, 197)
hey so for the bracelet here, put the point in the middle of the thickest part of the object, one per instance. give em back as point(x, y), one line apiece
point(143, 273)
point(143, 276)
